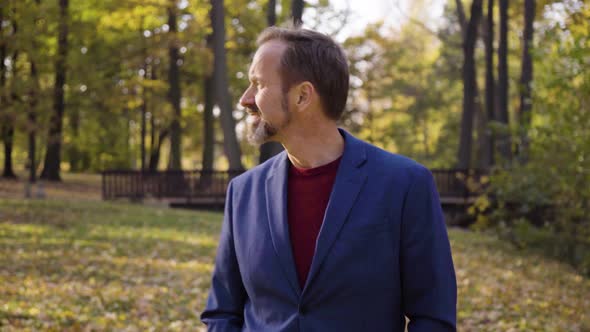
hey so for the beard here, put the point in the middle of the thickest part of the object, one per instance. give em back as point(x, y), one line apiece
point(261, 131)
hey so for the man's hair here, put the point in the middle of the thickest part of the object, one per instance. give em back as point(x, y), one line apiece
point(314, 57)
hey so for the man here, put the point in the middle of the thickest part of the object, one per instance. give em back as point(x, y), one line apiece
point(333, 234)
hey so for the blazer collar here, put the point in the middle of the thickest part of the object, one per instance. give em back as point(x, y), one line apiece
point(350, 178)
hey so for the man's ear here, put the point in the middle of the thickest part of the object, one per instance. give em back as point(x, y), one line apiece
point(303, 95)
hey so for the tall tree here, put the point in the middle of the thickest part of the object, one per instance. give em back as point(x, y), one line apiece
point(7, 117)
point(143, 121)
point(174, 93)
point(469, 86)
point(270, 149)
point(503, 138)
point(33, 101)
point(143, 96)
point(487, 147)
point(51, 168)
point(208, 118)
point(32, 121)
point(157, 135)
point(3, 53)
point(297, 12)
point(271, 12)
point(222, 94)
point(526, 78)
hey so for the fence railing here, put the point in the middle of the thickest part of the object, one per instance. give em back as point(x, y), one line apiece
point(198, 185)
point(165, 184)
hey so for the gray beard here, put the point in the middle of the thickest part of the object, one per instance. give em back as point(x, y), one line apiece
point(261, 132)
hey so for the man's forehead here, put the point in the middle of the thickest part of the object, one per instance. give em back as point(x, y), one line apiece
point(267, 55)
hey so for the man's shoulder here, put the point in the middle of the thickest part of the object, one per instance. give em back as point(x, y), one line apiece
point(380, 158)
point(258, 172)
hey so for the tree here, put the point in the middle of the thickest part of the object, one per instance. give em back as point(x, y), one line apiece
point(297, 12)
point(220, 85)
point(526, 78)
point(503, 138)
point(271, 13)
point(469, 86)
point(51, 169)
point(487, 146)
point(33, 101)
point(7, 116)
point(174, 92)
point(207, 159)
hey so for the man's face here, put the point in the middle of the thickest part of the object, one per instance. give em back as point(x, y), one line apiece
point(264, 99)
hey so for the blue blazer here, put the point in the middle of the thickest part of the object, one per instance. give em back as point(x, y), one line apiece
point(382, 252)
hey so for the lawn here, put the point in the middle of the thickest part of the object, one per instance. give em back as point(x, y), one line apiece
point(82, 265)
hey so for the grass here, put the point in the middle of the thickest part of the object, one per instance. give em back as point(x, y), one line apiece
point(103, 266)
point(80, 186)
point(91, 266)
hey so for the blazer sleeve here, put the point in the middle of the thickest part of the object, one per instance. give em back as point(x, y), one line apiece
point(429, 285)
point(225, 305)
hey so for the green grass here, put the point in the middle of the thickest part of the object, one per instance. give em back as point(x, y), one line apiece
point(74, 266)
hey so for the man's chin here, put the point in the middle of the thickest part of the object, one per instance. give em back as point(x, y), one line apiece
point(257, 136)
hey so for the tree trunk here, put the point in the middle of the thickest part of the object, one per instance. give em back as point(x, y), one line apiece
point(155, 153)
point(7, 125)
point(469, 86)
point(3, 112)
point(297, 12)
point(270, 149)
point(461, 16)
point(174, 93)
point(208, 125)
point(526, 78)
point(33, 101)
point(487, 146)
point(8, 137)
point(143, 106)
point(271, 13)
point(152, 142)
point(7, 128)
point(32, 122)
point(143, 111)
point(155, 140)
point(228, 123)
point(208, 119)
point(503, 139)
point(51, 169)
point(73, 152)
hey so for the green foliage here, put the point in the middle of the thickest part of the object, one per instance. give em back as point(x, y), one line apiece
point(545, 202)
point(400, 100)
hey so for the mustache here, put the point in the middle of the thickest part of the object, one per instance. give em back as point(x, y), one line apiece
point(252, 108)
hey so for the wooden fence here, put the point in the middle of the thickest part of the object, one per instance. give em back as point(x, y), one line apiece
point(207, 188)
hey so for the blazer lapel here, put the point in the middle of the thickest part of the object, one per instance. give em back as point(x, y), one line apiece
point(349, 180)
point(276, 205)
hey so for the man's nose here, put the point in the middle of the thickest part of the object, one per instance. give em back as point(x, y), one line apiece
point(247, 98)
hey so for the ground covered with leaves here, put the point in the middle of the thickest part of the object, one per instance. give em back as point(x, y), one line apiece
point(93, 266)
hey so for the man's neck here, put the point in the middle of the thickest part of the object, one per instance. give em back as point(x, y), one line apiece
point(314, 147)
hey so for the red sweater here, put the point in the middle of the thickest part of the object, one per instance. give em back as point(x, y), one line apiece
point(307, 198)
